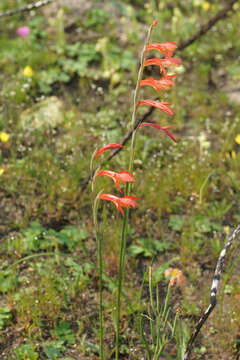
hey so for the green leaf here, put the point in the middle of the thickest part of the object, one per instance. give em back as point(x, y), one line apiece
point(176, 222)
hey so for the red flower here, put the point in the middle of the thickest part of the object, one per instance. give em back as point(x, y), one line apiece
point(106, 147)
point(155, 23)
point(122, 177)
point(162, 128)
point(157, 104)
point(163, 63)
point(158, 85)
point(126, 201)
point(166, 48)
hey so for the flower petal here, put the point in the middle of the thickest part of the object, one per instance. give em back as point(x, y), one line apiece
point(157, 104)
point(163, 63)
point(125, 176)
point(168, 62)
point(127, 201)
point(109, 197)
point(162, 128)
point(4, 136)
point(150, 82)
point(237, 139)
point(108, 173)
point(164, 83)
point(122, 177)
point(166, 48)
point(174, 275)
point(106, 147)
point(23, 31)
point(155, 23)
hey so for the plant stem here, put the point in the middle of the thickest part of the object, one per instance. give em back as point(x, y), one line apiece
point(128, 188)
point(100, 264)
point(120, 278)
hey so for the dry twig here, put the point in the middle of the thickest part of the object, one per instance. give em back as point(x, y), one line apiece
point(28, 7)
point(206, 27)
point(213, 296)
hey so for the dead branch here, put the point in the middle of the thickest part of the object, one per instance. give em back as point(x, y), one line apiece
point(206, 27)
point(29, 7)
point(213, 292)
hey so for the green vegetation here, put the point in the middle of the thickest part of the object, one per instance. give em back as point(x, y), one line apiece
point(67, 89)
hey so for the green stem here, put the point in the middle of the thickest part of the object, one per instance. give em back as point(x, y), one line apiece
point(120, 278)
point(203, 185)
point(100, 264)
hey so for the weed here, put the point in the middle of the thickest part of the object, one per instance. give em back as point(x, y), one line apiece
point(5, 316)
point(26, 351)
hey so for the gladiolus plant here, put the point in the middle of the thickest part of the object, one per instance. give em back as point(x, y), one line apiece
point(128, 201)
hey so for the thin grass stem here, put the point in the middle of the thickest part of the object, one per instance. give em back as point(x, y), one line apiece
point(120, 279)
point(100, 266)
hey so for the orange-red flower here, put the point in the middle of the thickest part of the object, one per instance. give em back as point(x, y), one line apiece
point(157, 104)
point(167, 48)
point(163, 84)
point(155, 23)
point(126, 201)
point(122, 177)
point(175, 275)
point(162, 128)
point(106, 147)
point(163, 63)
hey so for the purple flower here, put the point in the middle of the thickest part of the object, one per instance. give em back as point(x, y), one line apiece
point(23, 31)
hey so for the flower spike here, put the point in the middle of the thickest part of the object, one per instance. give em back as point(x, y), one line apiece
point(162, 128)
point(106, 147)
point(122, 177)
point(157, 104)
point(126, 201)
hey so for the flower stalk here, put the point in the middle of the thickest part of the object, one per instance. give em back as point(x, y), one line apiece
point(128, 188)
point(164, 83)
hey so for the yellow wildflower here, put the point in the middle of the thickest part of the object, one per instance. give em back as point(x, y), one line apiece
point(28, 71)
point(237, 139)
point(234, 155)
point(206, 5)
point(227, 230)
point(1, 171)
point(4, 136)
